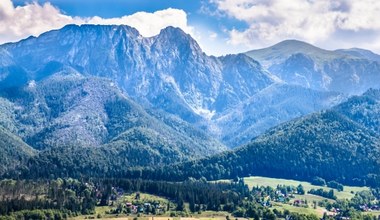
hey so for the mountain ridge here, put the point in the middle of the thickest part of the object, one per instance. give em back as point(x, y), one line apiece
point(300, 63)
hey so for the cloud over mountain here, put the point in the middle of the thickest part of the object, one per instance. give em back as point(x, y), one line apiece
point(20, 22)
point(322, 22)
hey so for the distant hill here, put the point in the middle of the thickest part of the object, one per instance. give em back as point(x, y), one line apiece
point(281, 51)
point(348, 71)
point(360, 53)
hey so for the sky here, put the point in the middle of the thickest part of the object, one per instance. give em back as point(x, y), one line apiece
point(220, 26)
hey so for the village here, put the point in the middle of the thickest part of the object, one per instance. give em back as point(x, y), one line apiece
point(136, 203)
point(282, 200)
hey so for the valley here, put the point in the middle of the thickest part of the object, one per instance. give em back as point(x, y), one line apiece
point(139, 199)
point(98, 121)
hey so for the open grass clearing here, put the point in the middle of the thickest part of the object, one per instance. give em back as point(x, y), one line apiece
point(302, 210)
point(347, 193)
point(144, 197)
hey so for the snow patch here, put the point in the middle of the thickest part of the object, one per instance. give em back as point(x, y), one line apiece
point(32, 84)
point(326, 81)
point(205, 113)
point(355, 78)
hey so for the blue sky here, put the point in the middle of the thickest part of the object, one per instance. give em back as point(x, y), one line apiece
point(115, 8)
point(220, 26)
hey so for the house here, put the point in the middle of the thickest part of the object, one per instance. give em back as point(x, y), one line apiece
point(281, 199)
point(298, 202)
point(375, 207)
point(364, 208)
point(141, 209)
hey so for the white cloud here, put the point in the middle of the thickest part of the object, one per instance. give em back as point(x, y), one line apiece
point(213, 35)
point(33, 19)
point(149, 24)
point(314, 21)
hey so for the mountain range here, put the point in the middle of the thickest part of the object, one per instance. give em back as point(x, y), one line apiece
point(350, 71)
point(168, 72)
point(108, 94)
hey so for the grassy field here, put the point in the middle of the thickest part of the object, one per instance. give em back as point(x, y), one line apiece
point(374, 213)
point(348, 193)
point(132, 198)
point(273, 182)
point(207, 215)
point(102, 210)
point(143, 198)
point(318, 211)
point(153, 218)
point(310, 198)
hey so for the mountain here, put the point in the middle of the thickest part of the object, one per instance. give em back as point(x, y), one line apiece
point(281, 51)
point(332, 144)
point(243, 78)
point(271, 106)
point(296, 62)
point(168, 71)
point(72, 114)
point(360, 53)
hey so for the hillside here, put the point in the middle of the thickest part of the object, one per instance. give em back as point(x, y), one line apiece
point(328, 144)
point(271, 106)
point(69, 116)
point(364, 110)
point(14, 152)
